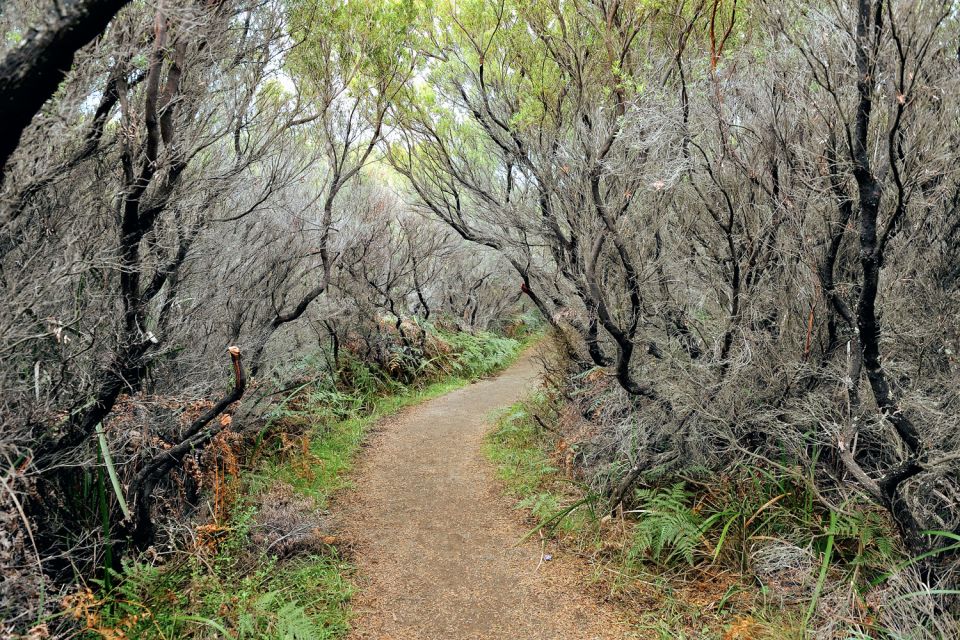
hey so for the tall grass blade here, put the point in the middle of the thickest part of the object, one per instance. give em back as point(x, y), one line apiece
point(824, 567)
point(112, 471)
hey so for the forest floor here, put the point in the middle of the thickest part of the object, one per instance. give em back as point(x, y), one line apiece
point(437, 545)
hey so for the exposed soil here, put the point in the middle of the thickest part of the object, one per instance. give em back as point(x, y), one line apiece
point(436, 544)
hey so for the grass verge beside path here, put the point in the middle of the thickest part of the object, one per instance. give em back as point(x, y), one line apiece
point(229, 584)
point(649, 565)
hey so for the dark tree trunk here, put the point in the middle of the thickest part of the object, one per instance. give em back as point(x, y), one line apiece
point(31, 73)
point(869, 28)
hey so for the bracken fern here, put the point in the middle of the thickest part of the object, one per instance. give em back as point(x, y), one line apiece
point(667, 527)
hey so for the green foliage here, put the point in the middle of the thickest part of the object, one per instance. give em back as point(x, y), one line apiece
point(366, 46)
point(233, 592)
point(762, 503)
point(866, 541)
point(707, 521)
point(667, 527)
point(514, 446)
point(479, 354)
point(542, 506)
point(517, 447)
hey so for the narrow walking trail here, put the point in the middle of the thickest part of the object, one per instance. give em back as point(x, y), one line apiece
point(435, 543)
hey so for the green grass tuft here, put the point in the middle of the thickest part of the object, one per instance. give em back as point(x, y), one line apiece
point(515, 447)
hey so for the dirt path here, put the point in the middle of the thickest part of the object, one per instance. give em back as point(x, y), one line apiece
point(435, 541)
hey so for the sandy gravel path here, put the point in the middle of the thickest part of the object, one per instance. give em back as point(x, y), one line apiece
point(434, 539)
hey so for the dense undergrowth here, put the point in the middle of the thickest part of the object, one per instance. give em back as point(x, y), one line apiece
point(267, 565)
point(751, 553)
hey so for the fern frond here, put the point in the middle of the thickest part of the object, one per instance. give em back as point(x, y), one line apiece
point(667, 527)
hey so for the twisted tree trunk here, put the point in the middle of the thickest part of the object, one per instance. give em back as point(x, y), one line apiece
point(31, 73)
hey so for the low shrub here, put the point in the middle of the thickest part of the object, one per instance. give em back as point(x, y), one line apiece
point(754, 547)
